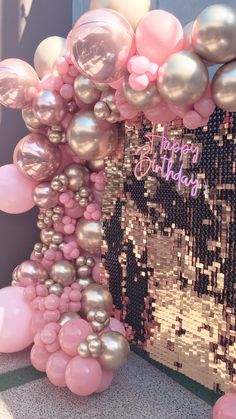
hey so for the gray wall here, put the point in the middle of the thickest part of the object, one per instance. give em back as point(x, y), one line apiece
point(18, 233)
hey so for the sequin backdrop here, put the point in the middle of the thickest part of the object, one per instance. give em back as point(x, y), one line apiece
point(169, 259)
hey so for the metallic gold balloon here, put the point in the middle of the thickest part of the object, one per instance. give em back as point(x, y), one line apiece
point(47, 52)
point(49, 107)
point(101, 86)
point(46, 235)
point(56, 289)
point(31, 272)
point(89, 235)
point(66, 317)
point(101, 110)
point(30, 119)
point(182, 79)
point(214, 33)
point(90, 138)
point(96, 165)
point(115, 350)
point(85, 282)
point(145, 99)
point(63, 272)
point(83, 350)
point(44, 196)
point(78, 175)
point(224, 87)
point(95, 297)
point(85, 90)
point(36, 157)
point(95, 348)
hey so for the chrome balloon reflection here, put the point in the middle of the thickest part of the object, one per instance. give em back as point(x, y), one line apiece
point(89, 235)
point(85, 90)
point(49, 107)
point(224, 87)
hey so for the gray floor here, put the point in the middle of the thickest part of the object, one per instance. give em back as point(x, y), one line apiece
point(138, 391)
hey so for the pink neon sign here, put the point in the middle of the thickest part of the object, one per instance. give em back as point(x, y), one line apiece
point(163, 161)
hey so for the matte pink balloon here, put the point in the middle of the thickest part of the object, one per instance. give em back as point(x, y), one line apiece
point(192, 120)
point(16, 192)
point(15, 320)
point(75, 212)
point(38, 322)
point(158, 35)
point(180, 110)
point(225, 407)
point(160, 114)
point(205, 106)
point(72, 334)
point(107, 377)
point(83, 375)
point(116, 326)
point(56, 368)
point(18, 83)
point(39, 357)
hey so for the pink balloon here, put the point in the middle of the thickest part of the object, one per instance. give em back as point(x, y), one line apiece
point(225, 407)
point(83, 376)
point(158, 35)
point(107, 377)
point(72, 334)
point(116, 326)
point(179, 110)
point(192, 120)
point(187, 44)
point(205, 106)
point(75, 212)
point(56, 368)
point(97, 273)
point(15, 320)
point(160, 114)
point(18, 83)
point(38, 322)
point(16, 191)
point(39, 357)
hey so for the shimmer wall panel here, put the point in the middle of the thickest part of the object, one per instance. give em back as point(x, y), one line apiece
point(169, 244)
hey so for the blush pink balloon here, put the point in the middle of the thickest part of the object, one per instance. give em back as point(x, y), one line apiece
point(83, 376)
point(72, 334)
point(107, 377)
point(160, 114)
point(39, 357)
point(187, 43)
point(205, 106)
point(38, 322)
point(97, 273)
point(18, 83)
point(225, 407)
point(158, 35)
point(116, 326)
point(56, 368)
point(75, 212)
point(180, 110)
point(15, 320)
point(192, 120)
point(16, 191)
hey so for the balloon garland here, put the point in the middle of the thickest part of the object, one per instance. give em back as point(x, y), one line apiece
point(72, 103)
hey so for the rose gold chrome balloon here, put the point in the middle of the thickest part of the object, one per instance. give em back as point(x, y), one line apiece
point(145, 99)
point(78, 175)
point(18, 83)
point(224, 86)
point(30, 119)
point(31, 272)
point(96, 165)
point(115, 350)
point(44, 196)
point(182, 79)
point(214, 33)
point(101, 42)
point(36, 157)
point(49, 107)
point(89, 235)
point(90, 138)
point(95, 297)
point(85, 90)
point(63, 272)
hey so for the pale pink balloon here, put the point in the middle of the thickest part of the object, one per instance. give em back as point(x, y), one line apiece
point(205, 106)
point(158, 34)
point(39, 357)
point(56, 368)
point(38, 322)
point(180, 110)
point(225, 407)
point(97, 273)
point(187, 43)
point(16, 191)
point(83, 375)
point(116, 326)
point(72, 334)
point(75, 212)
point(18, 83)
point(117, 84)
point(107, 377)
point(160, 114)
point(192, 120)
point(15, 320)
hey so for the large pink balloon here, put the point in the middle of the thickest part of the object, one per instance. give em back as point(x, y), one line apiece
point(18, 83)
point(15, 320)
point(83, 375)
point(39, 357)
point(16, 192)
point(107, 377)
point(161, 114)
point(158, 35)
point(225, 407)
point(56, 368)
point(72, 334)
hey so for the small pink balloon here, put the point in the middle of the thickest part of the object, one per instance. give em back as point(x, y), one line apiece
point(116, 326)
point(138, 64)
point(18, 83)
point(225, 407)
point(72, 334)
point(179, 110)
point(97, 273)
point(39, 357)
point(158, 34)
point(75, 212)
point(187, 44)
point(107, 377)
point(83, 376)
point(205, 106)
point(56, 368)
point(38, 322)
point(116, 84)
point(138, 82)
point(15, 320)
point(192, 120)
point(160, 114)
point(16, 191)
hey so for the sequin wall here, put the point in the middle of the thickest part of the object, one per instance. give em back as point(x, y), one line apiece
point(169, 258)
